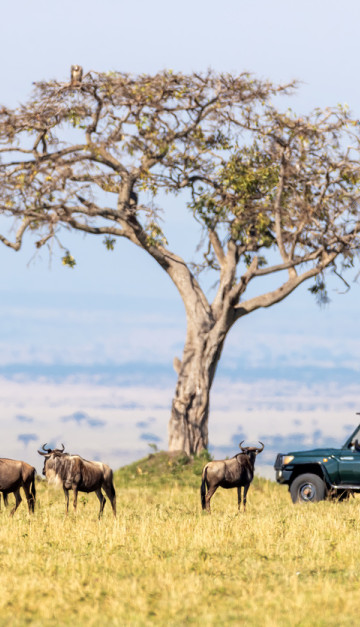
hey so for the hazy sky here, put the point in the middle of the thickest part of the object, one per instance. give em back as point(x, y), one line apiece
point(116, 316)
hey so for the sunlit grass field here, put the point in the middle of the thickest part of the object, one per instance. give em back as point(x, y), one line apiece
point(165, 562)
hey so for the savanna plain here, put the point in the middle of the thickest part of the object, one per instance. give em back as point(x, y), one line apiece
point(165, 562)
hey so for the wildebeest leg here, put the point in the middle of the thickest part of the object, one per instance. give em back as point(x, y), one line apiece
point(208, 496)
point(75, 490)
point(102, 500)
point(29, 498)
point(246, 487)
point(32, 490)
point(18, 500)
point(110, 493)
point(66, 492)
point(239, 497)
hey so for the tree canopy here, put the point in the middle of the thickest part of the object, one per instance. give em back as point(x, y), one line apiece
point(274, 193)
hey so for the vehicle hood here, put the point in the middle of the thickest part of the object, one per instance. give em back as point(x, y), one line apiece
point(321, 452)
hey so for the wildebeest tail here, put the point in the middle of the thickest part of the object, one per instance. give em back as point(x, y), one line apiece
point(112, 490)
point(109, 489)
point(203, 488)
point(109, 482)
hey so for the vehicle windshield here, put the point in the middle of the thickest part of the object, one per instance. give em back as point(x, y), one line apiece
point(350, 443)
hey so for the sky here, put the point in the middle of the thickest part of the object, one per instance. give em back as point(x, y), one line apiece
point(86, 354)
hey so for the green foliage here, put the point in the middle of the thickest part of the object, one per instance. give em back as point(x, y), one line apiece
point(109, 242)
point(245, 187)
point(75, 118)
point(249, 173)
point(320, 291)
point(68, 260)
point(155, 236)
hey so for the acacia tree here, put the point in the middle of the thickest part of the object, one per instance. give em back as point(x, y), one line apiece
point(275, 194)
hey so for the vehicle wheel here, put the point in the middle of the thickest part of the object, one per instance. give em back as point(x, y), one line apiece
point(307, 488)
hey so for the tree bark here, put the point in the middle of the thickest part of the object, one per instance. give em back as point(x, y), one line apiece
point(188, 426)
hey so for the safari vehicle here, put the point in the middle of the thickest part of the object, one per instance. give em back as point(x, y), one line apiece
point(321, 473)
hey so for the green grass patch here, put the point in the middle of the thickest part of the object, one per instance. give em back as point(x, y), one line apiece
point(159, 468)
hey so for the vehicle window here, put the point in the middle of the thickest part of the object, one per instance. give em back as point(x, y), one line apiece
point(356, 436)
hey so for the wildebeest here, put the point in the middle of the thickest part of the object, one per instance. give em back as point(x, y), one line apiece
point(237, 472)
point(77, 474)
point(14, 475)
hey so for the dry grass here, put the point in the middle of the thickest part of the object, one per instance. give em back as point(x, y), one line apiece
point(165, 562)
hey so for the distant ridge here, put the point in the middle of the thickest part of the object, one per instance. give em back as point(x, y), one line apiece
point(162, 373)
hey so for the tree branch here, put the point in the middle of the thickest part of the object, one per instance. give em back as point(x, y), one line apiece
point(275, 296)
point(278, 214)
point(19, 235)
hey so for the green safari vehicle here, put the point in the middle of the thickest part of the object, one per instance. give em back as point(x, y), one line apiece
point(321, 473)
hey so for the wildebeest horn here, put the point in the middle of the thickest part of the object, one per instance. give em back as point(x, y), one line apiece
point(47, 450)
point(262, 447)
point(63, 448)
point(242, 448)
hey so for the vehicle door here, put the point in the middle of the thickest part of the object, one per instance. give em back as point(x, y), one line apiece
point(349, 466)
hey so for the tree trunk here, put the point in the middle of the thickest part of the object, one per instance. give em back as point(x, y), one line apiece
point(188, 426)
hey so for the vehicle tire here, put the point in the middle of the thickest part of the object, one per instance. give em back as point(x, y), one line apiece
point(307, 488)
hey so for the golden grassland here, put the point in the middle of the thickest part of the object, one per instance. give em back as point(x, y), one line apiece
point(165, 562)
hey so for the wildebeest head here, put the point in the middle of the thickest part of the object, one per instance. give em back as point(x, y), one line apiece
point(251, 449)
point(50, 456)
